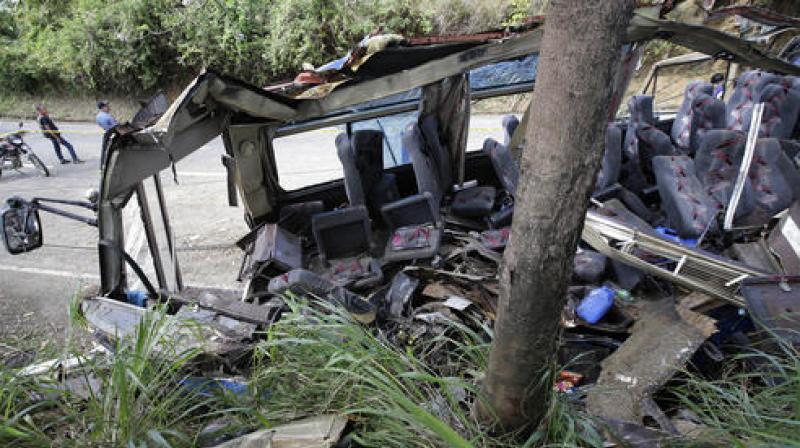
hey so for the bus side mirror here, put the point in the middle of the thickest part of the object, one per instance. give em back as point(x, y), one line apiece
point(21, 227)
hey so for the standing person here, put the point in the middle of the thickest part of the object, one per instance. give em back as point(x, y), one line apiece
point(718, 81)
point(51, 132)
point(104, 118)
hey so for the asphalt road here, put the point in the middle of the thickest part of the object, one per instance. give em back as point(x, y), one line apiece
point(38, 285)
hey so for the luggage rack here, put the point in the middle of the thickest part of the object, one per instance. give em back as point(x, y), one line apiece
point(694, 268)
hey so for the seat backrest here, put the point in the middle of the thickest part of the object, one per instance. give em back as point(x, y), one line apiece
point(643, 140)
point(681, 127)
point(717, 167)
point(352, 176)
point(781, 102)
point(612, 158)
point(510, 124)
point(640, 108)
point(425, 169)
point(342, 233)
point(792, 119)
point(746, 92)
point(720, 144)
point(774, 97)
point(504, 165)
point(367, 146)
point(437, 151)
point(688, 207)
point(776, 183)
point(362, 161)
point(707, 113)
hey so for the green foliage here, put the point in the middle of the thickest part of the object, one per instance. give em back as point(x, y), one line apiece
point(138, 46)
point(260, 41)
point(231, 36)
point(313, 361)
point(317, 30)
point(419, 395)
point(468, 16)
point(94, 44)
point(756, 402)
point(662, 49)
point(136, 400)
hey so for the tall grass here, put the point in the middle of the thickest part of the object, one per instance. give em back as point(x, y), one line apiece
point(137, 400)
point(421, 395)
point(756, 401)
point(398, 389)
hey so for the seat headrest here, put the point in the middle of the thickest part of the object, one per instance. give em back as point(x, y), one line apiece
point(640, 108)
point(510, 124)
point(694, 88)
point(367, 139)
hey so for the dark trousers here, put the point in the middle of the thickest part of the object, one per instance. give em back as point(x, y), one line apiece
point(67, 145)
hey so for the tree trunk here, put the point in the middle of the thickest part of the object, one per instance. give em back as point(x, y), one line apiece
point(578, 61)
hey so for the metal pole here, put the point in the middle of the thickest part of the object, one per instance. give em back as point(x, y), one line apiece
point(744, 168)
point(162, 205)
point(147, 220)
point(725, 83)
point(655, 83)
point(66, 214)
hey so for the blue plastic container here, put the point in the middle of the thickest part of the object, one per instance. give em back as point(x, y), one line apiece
point(137, 297)
point(671, 234)
point(596, 304)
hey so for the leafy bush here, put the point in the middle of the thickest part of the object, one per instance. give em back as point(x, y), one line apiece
point(469, 16)
point(137, 46)
point(259, 41)
point(118, 46)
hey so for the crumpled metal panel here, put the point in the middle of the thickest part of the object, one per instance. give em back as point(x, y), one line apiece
point(774, 304)
point(321, 431)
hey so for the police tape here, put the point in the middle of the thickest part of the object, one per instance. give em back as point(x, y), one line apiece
point(40, 131)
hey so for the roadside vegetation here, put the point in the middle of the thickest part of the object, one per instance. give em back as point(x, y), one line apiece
point(136, 46)
point(315, 360)
point(70, 53)
point(318, 360)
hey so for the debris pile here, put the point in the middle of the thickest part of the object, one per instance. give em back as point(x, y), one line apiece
point(662, 260)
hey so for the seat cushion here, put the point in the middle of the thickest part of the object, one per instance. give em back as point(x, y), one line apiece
point(412, 237)
point(413, 242)
point(495, 238)
point(356, 272)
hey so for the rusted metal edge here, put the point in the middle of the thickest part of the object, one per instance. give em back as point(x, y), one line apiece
point(756, 14)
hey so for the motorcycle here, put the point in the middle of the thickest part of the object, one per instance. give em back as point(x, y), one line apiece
point(14, 151)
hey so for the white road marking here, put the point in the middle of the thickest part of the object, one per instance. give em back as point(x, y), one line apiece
point(51, 272)
point(87, 276)
point(200, 174)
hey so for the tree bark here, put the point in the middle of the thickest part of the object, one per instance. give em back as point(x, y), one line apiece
point(578, 61)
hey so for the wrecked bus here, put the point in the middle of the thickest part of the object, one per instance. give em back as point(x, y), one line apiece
point(414, 200)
